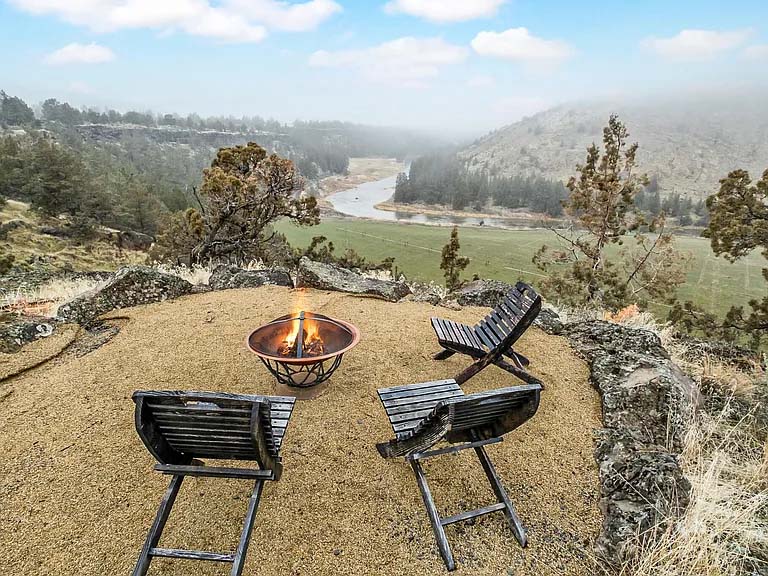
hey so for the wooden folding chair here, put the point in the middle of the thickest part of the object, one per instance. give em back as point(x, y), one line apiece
point(179, 427)
point(492, 338)
point(424, 414)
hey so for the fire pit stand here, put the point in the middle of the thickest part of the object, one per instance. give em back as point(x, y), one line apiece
point(302, 350)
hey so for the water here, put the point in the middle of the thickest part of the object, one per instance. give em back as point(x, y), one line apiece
point(361, 202)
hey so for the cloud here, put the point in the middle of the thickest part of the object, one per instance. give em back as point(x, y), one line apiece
point(80, 54)
point(286, 16)
point(696, 44)
point(445, 10)
point(407, 60)
point(481, 81)
point(228, 20)
point(756, 52)
point(517, 44)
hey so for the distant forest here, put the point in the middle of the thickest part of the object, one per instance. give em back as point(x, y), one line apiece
point(129, 169)
point(443, 179)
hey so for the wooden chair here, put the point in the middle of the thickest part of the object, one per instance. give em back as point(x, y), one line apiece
point(424, 414)
point(178, 427)
point(492, 338)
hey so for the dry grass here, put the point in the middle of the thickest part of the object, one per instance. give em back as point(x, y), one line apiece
point(724, 532)
point(46, 299)
point(78, 494)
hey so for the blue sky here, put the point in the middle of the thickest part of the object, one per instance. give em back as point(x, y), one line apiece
point(466, 65)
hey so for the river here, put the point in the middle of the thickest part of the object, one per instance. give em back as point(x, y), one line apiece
point(361, 202)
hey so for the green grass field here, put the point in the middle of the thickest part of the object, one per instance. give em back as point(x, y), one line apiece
point(506, 255)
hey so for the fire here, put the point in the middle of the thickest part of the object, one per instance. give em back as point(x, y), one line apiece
point(312, 341)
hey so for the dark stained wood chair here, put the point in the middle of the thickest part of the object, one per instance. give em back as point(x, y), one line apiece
point(424, 414)
point(179, 427)
point(492, 338)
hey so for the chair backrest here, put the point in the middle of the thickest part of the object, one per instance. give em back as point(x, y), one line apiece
point(509, 320)
point(490, 414)
point(178, 426)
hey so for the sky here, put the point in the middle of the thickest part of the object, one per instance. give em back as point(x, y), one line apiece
point(463, 66)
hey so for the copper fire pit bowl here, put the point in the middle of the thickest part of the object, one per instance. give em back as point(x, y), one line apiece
point(304, 349)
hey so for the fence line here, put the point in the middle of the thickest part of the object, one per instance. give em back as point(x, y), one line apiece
point(399, 242)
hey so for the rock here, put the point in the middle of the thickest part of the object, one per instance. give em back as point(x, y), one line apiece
point(16, 332)
point(425, 293)
point(549, 321)
point(641, 485)
point(132, 240)
point(330, 277)
point(10, 226)
point(647, 401)
point(225, 276)
point(130, 286)
point(450, 304)
point(486, 293)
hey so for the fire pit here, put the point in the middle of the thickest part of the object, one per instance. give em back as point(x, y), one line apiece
point(303, 349)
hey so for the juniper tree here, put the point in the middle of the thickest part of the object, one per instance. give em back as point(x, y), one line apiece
point(603, 259)
point(243, 192)
point(738, 225)
point(452, 264)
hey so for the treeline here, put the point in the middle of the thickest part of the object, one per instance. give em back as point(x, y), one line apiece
point(682, 208)
point(56, 179)
point(443, 179)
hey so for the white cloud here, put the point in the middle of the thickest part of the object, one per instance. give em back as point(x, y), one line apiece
point(519, 45)
point(408, 60)
point(481, 81)
point(756, 52)
point(445, 10)
point(696, 44)
point(80, 54)
point(229, 20)
point(286, 16)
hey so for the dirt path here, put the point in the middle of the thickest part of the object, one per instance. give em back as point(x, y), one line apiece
point(77, 490)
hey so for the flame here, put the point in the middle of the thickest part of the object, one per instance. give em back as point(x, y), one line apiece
point(312, 343)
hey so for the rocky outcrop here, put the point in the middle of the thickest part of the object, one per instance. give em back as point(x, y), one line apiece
point(130, 286)
point(225, 276)
point(330, 277)
point(646, 402)
point(480, 293)
point(549, 321)
point(16, 332)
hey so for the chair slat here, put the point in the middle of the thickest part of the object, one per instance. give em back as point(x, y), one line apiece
point(441, 395)
point(382, 392)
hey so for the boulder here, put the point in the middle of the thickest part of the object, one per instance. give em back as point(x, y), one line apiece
point(330, 277)
point(486, 293)
point(647, 401)
point(549, 321)
point(16, 332)
point(132, 240)
point(130, 286)
point(225, 276)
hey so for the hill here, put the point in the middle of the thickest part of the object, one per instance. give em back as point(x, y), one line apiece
point(687, 144)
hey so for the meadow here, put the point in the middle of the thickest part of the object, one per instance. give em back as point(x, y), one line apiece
point(506, 255)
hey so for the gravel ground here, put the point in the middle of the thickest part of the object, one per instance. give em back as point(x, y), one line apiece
point(78, 494)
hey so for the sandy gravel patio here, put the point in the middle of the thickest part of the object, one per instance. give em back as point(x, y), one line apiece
point(78, 494)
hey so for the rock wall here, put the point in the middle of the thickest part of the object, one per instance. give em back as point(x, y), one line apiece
point(646, 402)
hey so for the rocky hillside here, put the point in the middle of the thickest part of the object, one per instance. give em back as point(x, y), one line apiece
point(687, 144)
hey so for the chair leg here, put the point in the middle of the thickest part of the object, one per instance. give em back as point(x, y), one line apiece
point(245, 536)
point(501, 496)
point(443, 354)
point(519, 373)
point(142, 565)
point(434, 516)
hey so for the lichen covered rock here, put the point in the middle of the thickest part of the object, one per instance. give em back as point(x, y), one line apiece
point(481, 293)
point(225, 277)
point(130, 286)
point(16, 332)
point(646, 402)
point(313, 274)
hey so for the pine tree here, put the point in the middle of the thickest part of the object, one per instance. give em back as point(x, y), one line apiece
point(452, 264)
point(738, 225)
point(602, 210)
